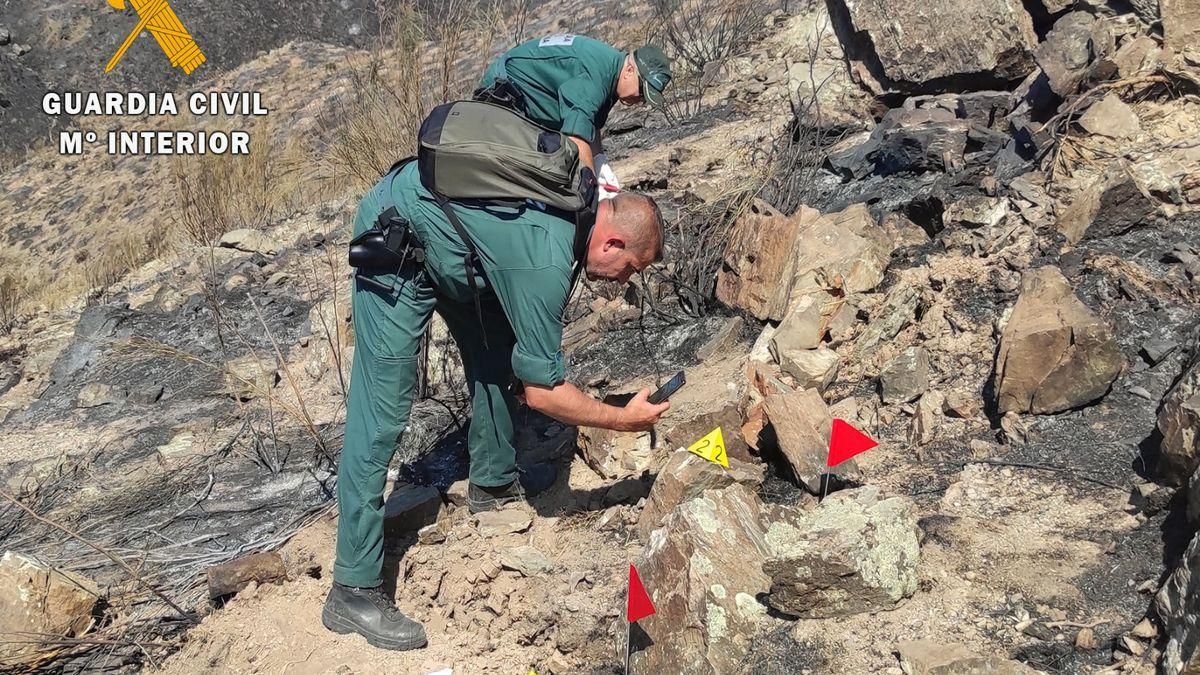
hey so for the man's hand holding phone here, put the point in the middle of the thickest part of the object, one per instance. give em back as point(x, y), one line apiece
point(640, 414)
point(643, 410)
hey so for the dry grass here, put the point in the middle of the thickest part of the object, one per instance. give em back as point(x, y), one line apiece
point(376, 122)
point(218, 193)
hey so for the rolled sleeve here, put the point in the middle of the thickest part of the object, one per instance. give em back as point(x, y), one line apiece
point(534, 300)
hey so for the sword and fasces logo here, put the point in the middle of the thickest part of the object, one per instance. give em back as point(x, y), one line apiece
point(157, 17)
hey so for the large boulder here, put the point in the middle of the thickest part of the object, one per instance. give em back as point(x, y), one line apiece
point(802, 423)
point(772, 261)
point(685, 476)
point(758, 262)
point(905, 141)
point(703, 570)
point(1069, 49)
point(1055, 354)
point(1179, 424)
point(37, 599)
point(1178, 605)
point(856, 552)
point(1111, 205)
point(837, 253)
point(918, 46)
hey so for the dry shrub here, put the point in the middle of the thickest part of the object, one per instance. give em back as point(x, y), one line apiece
point(14, 291)
point(218, 193)
point(698, 239)
point(788, 167)
point(701, 33)
point(684, 99)
point(376, 122)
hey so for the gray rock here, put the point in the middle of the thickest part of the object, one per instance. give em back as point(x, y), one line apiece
point(684, 477)
point(1055, 354)
point(1178, 605)
point(919, 46)
point(885, 324)
point(856, 552)
point(976, 211)
point(1157, 349)
point(504, 521)
point(906, 377)
point(812, 368)
point(800, 330)
point(526, 560)
point(96, 394)
point(5, 36)
point(456, 494)
point(1111, 117)
point(148, 394)
point(250, 241)
point(703, 570)
point(616, 454)
point(722, 340)
point(926, 419)
point(1179, 424)
point(1069, 49)
point(410, 507)
point(905, 141)
point(1110, 206)
point(926, 657)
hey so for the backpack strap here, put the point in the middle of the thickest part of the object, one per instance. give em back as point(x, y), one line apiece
point(469, 261)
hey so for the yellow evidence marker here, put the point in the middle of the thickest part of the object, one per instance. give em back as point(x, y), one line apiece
point(712, 448)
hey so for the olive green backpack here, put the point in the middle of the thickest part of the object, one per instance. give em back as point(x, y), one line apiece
point(477, 150)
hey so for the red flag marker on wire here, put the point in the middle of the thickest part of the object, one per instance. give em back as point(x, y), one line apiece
point(845, 442)
point(638, 606)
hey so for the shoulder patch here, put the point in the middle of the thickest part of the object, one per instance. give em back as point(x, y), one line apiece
point(557, 40)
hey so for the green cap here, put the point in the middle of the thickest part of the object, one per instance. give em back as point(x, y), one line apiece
point(654, 70)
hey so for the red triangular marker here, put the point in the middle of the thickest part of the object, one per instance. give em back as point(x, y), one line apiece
point(845, 442)
point(638, 604)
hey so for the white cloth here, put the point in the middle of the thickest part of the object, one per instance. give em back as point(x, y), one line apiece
point(606, 178)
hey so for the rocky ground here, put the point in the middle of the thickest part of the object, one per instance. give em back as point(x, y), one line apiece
point(981, 252)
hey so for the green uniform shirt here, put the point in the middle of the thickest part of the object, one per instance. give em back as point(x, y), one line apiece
point(569, 81)
point(528, 258)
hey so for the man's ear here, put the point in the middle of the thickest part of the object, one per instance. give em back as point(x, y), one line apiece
point(614, 242)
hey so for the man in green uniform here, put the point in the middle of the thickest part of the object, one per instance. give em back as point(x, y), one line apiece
point(528, 258)
point(569, 83)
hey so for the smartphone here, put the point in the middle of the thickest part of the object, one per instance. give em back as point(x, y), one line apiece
point(667, 390)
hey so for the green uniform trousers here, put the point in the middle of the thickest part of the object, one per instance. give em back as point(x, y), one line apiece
point(388, 330)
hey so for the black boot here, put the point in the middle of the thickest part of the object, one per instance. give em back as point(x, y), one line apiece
point(530, 482)
point(371, 613)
